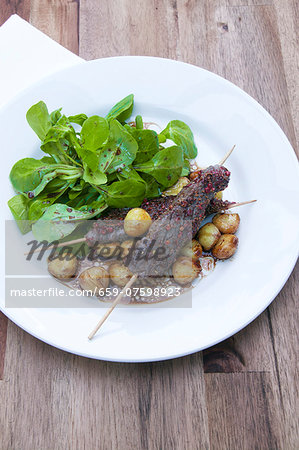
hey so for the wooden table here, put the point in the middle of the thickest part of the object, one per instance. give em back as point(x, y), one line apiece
point(240, 394)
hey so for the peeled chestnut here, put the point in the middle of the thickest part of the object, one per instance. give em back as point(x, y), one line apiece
point(120, 274)
point(94, 279)
point(184, 270)
point(192, 250)
point(63, 266)
point(208, 235)
point(227, 223)
point(225, 247)
point(137, 222)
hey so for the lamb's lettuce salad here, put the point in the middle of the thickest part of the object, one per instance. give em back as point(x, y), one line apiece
point(93, 163)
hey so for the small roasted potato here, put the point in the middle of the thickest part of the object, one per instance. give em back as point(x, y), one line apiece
point(192, 250)
point(119, 274)
point(208, 235)
point(94, 278)
point(226, 223)
point(225, 247)
point(62, 266)
point(126, 246)
point(137, 222)
point(184, 270)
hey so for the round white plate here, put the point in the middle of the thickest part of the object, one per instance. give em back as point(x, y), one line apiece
point(263, 166)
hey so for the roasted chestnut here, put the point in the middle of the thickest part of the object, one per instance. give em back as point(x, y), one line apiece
point(227, 223)
point(137, 222)
point(208, 235)
point(62, 266)
point(192, 250)
point(94, 278)
point(120, 274)
point(184, 270)
point(225, 247)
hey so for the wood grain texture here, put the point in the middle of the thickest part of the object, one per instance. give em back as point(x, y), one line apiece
point(82, 403)
point(288, 18)
point(284, 317)
point(242, 412)
point(59, 19)
point(20, 7)
point(124, 27)
point(241, 394)
point(3, 336)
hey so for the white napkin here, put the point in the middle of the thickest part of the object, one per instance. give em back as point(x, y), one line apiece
point(27, 55)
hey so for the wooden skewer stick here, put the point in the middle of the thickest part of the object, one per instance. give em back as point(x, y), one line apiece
point(114, 304)
point(241, 204)
point(226, 156)
point(62, 244)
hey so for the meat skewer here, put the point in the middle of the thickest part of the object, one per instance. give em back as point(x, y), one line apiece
point(173, 228)
point(115, 231)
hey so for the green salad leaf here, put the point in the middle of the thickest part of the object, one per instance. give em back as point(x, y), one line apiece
point(123, 145)
point(122, 110)
point(93, 163)
point(78, 119)
point(19, 205)
point(39, 119)
point(94, 133)
point(166, 166)
point(61, 220)
point(96, 177)
point(121, 194)
point(181, 135)
point(30, 175)
point(148, 144)
point(55, 115)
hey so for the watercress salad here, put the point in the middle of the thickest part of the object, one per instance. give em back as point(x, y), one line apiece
point(107, 163)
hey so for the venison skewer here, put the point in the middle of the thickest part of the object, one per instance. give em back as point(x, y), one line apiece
point(172, 230)
point(114, 232)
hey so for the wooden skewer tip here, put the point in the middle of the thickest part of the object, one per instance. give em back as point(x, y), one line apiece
point(114, 304)
point(226, 156)
point(241, 204)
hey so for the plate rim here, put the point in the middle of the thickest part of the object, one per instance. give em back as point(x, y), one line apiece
point(292, 261)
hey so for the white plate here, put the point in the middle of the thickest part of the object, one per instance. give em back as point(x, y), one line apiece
point(263, 166)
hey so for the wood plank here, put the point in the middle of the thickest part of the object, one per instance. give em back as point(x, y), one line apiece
point(242, 44)
point(20, 7)
point(284, 316)
point(34, 410)
point(141, 406)
point(128, 27)
point(3, 336)
point(242, 411)
point(288, 19)
point(83, 403)
point(58, 19)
